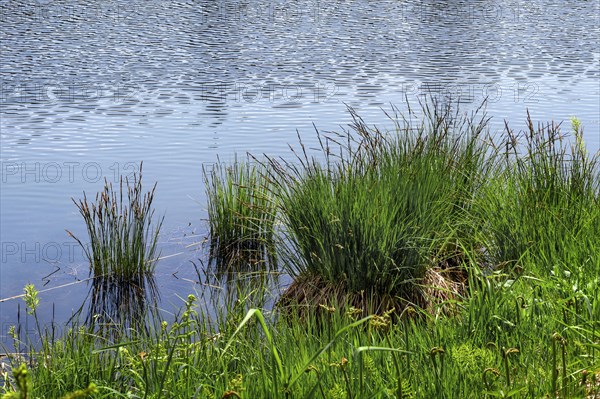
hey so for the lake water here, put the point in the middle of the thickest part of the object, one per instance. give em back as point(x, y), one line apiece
point(90, 90)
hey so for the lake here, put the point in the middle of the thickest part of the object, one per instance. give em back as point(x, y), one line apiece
point(90, 90)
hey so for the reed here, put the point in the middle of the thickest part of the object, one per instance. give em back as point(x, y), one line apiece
point(543, 202)
point(383, 207)
point(241, 216)
point(122, 252)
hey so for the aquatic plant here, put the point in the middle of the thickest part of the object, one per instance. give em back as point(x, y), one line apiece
point(122, 252)
point(543, 202)
point(383, 208)
point(241, 216)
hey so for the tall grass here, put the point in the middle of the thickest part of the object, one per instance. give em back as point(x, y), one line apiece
point(122, 252)
point(382, 209)
point(543, 202)
point(509, 340)
point(241, 215)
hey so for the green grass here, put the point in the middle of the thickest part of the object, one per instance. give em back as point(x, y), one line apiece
point(510, 336)
point(543, 202)
point(122, 252)
point(521, 225)
point(373, 220)
point(241, 214)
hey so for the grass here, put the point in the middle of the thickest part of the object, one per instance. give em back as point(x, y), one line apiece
point(241, 214)
point(122, 253)
point(548, 209)
point(375, 220)
point(504, 343)
point(520, 223)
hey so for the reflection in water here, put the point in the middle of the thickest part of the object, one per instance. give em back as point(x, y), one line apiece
point(117, 307)
point(230, 289)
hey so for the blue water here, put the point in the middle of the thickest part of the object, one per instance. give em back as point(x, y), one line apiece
point(90, 90)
